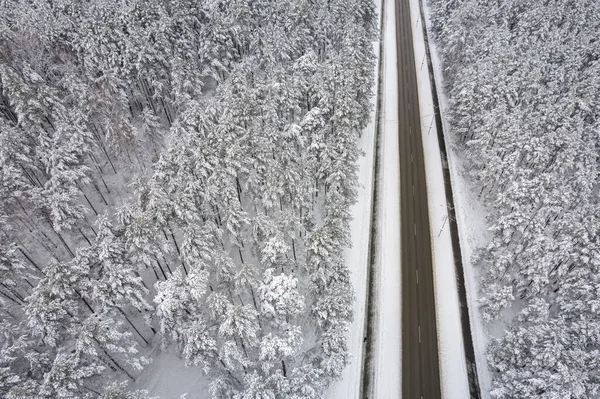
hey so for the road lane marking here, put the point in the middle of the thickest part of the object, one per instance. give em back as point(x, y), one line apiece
point(413, 190)
point(419, 334)
point(414, 224)
point(417, 276)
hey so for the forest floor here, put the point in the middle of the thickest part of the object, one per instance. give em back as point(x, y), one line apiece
point(168, 377)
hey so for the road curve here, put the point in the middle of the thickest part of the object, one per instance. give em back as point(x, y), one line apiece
point(420, 366)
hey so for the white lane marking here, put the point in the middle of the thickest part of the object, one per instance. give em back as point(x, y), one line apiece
point(415, 228)
point(419, 334)
point(417, 276)
point(413, 190)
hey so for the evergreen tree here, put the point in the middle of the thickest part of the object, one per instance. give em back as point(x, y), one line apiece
point(200, 155)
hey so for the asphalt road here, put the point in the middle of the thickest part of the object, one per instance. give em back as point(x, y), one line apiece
point(420, 366)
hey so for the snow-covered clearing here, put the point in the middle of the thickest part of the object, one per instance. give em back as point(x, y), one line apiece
point(388, 342)
point(357, 257)
point(168, 378)
point(472, 226)
point(450, 342)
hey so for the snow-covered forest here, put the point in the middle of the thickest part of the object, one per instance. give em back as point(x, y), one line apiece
point(523, 83)
point(179, 173)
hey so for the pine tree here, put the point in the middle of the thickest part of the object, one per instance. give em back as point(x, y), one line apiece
point(233, 126)
point(67, 377)
point(102, 338)
point(113, 280)
point(55, 305)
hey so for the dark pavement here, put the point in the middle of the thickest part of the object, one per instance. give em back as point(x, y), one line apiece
point(420, 366)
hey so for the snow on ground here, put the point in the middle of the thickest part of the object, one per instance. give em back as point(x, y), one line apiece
point(388, 342)
point(472, 229)
point(168, 378)
point(348, 387)
point(450, 340)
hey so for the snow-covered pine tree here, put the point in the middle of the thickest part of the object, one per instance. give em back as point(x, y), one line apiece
point(523, 115)
point(240, 142)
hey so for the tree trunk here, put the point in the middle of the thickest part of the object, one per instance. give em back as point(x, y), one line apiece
point(85, 301)
point(174, 240)
point(161, 269)
point(239, 189)
point(100, 192)
point(117, 365)
point(14, 300)
point(85, 237)
point(132, 326)
point(60, 237)
point(29, 259)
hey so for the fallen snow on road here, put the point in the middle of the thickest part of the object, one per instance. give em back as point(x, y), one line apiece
point(388, 340)
point(473, 233)
point(348, 387)
point(453, 368)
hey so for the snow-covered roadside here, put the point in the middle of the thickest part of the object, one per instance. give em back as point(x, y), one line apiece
point(388, 340)
point(357, 257)
point(472, 229)
point(472, 226)
point(453, 368)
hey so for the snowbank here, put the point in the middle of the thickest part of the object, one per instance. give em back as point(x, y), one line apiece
point(388, 341)
point(450, 340)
